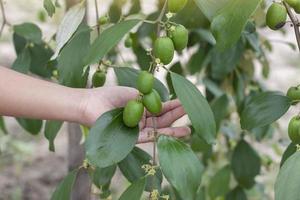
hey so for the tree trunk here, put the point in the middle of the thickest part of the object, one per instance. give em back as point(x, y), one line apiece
point(76, 154)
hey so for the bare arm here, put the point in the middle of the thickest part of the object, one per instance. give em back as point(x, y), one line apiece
point(25, 96)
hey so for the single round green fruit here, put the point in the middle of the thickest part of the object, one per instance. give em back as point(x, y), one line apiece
point(276, 16)
point(133, 113)
point(145, 82)
point(128, 42)
point(164, 50)
point(292, 3)
point(297, 8)
point(99, 79)
point(152, 102)
point(294, 130)
point(176, 5)
point(180, 37)
point(103, 20)
point(294, 93)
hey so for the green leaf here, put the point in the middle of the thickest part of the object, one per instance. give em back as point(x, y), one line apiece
point(19, 43)
point(109, 140)
point(70, 62)
point(134, 191)
point(103, 176)
point(211, 8)
point(22, 63)
point(236, 194)
point(223, 63)
point(2, 125)
point(68, 26)
point(29, 31)
point(176, 68)
point(131, 168)
point(40, 56)
point(51, 130)
point(263, 109)
point(245, 164)
point(229, 23)
point(290, 150)
point(219, 183)
point(49, 7)
point(33, 126)
point(128, 77)
point(108, 39)
point(220, 109)
point(180, 166)
point(64, 189)
point(288, 180)
point(196, 107)
point(196, 61)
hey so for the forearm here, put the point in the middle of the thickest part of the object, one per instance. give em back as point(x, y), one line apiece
point(24, 96)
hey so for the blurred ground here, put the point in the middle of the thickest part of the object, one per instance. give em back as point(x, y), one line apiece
point(29, 171)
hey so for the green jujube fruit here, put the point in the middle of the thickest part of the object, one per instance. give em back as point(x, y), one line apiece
point(145, 82)
point(176, 5)
point(128, 42)
point(133, 113)
point(292, 3)
point(294, 130)
point(297, 8)
point(180, 37)
point(152, 102)
point(164, 49)
point(99, 79)
point(294, 93)
point(276, 16)
point(103, 20)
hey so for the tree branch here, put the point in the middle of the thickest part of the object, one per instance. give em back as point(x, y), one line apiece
point(295, 22)
point(97, 16)
point(4, 22)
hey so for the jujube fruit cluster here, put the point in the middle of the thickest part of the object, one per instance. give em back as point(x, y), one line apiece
point(148, 98)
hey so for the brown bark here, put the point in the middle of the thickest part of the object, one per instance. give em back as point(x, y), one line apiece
point(76, 154)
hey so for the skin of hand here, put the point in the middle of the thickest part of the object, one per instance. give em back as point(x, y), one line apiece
point(28, 97)
point(100, 100)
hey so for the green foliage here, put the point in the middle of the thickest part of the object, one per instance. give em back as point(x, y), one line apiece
point(263, 109)
point(109, 39)
point(245, 164)
point(32, 126)
point(49, 7)
point(288, 180)
point(132, 168)
point(51, 130)
point(170, 150)
point(219, 183)
point(64, 189)
point(134, 191)
point(196, 107)
point(109, 140)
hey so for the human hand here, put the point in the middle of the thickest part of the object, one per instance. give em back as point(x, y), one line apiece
point(100, 100)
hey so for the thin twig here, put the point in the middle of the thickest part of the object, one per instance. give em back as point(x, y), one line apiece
point(4, 22)
point(161, 15)
point(295, 22)
point(97, 16)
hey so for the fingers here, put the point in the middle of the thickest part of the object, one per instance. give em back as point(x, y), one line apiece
point(166, 119)
point(147, 134)
point(167, 106)
point(121, 95)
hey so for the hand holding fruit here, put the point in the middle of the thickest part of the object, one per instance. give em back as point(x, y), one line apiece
point(100, 100)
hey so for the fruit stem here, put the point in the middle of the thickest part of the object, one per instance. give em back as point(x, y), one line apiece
point(295, 22)
point(161, 16)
